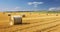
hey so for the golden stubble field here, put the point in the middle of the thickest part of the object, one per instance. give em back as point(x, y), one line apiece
point(33, 22)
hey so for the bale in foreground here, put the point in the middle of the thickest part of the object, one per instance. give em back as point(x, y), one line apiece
point(16, 20)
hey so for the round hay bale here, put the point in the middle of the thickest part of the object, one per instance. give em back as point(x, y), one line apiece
point(47, 14)
point(23, 15)
point(3, 12)
point(17, 20)
point(56, 14)
point(9, 14)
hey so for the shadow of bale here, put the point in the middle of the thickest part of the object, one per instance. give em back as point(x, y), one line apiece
point(38, 31)
point(25, 23)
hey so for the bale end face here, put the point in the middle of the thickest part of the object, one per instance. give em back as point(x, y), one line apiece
point(11, 23)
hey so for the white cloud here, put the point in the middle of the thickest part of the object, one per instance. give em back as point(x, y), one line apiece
point(54, 8)
point(11, 9)
point(29, 3)
point(17, 8)
point(14, 9)
point(35, 3)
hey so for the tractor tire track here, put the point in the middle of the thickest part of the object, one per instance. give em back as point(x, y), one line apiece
point(36, 25)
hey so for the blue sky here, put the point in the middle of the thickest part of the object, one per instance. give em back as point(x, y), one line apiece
point(23, 5)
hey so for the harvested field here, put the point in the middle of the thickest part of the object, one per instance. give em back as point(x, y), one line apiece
point(32, 22)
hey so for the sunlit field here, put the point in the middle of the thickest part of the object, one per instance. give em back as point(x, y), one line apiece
point(32, 22)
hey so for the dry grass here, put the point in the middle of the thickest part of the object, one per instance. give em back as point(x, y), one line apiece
point(33, 22)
